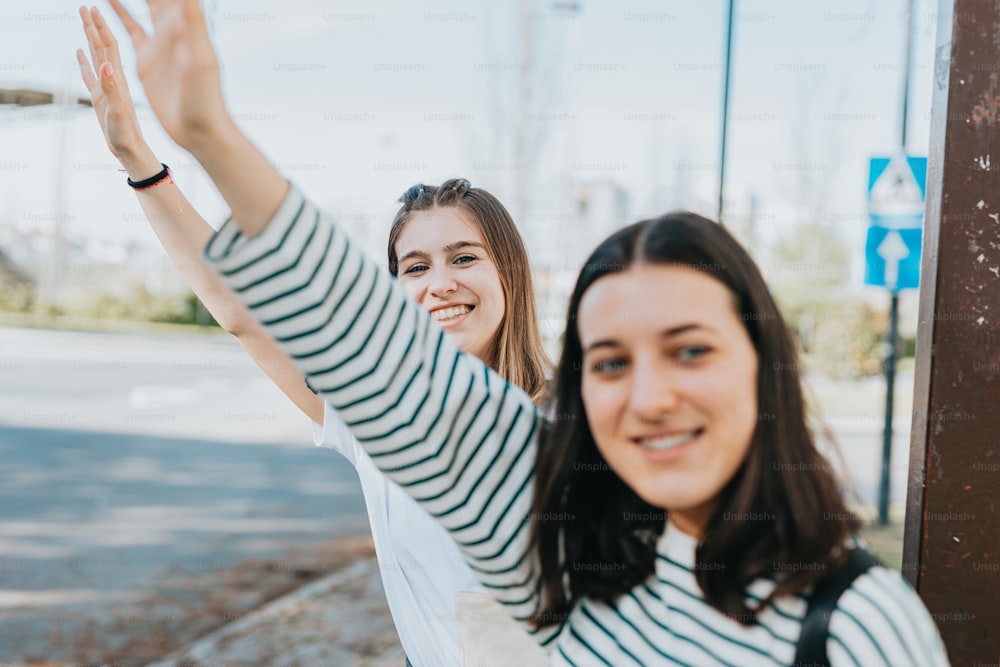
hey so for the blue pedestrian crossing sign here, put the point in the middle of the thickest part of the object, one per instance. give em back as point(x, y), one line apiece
point(897, 186)
point(892, 257)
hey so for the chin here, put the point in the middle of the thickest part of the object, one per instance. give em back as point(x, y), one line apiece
point(673, 500)
point(655, 497)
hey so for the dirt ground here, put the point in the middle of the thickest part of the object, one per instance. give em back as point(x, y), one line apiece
point(183, 609)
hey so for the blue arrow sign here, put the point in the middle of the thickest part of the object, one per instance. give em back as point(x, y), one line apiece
point(897, 186)
point(892, 257)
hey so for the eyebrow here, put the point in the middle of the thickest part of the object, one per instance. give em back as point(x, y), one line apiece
point(666, 333)
point(448, 249)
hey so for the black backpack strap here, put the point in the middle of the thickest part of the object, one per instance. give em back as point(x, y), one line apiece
point(811, 649)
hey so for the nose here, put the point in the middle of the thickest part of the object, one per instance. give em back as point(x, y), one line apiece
point(441, 282)
point(654, 391)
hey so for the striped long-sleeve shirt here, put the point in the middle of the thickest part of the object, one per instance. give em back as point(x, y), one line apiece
point(462, 441)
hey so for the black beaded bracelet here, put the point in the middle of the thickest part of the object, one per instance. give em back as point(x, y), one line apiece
point(152, 180)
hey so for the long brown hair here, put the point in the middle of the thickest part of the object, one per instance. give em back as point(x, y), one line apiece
point(783, 477)
point(517, 353)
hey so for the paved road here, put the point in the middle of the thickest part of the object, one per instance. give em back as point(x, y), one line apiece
point(128, 461)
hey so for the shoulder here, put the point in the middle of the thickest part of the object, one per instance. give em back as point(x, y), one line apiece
point(880, 620)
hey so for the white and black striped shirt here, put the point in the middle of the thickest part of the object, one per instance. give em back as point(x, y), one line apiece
point(461, 440)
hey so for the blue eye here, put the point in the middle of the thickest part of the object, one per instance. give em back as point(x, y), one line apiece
point(692, 352)
point(465, 259)
point(609, 366)
point(416, 268)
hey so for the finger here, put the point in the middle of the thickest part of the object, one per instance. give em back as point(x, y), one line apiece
point(132, 27)
point(195, 17)
point(111, 51)
point(115, 91)
point(156, 8)
point(110, 86)
point(108, 82)
point(93, 39)
point(107, 38)
point(87, 72)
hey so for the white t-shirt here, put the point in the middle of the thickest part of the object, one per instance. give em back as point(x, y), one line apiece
point(423, 573)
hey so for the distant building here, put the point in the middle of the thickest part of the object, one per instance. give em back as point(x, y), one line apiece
point(570, 235)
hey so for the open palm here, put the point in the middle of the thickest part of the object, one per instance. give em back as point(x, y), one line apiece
point(178, 69)
point(109, 94)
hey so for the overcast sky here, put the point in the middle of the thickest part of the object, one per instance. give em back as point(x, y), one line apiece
point(356, 101)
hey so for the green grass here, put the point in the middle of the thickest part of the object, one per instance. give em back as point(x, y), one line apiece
point(102, 325)
point(886, 543)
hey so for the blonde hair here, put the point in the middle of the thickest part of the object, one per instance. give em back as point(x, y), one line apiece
point(516, 353)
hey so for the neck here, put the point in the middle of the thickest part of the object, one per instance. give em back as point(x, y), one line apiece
point(691, 521)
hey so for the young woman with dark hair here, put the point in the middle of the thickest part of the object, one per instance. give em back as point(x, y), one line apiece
point(751, 512)
point(664, 387)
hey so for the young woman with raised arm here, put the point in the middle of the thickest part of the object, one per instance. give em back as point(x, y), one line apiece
point(456, 251)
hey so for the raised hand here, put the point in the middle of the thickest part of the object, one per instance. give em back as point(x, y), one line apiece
point(111, 98)
point(178, 69)
point(180, 73)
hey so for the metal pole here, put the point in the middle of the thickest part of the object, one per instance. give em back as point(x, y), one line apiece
point(906, 73)
point(725, 106)
point(952, 535)
point(890, 385)
point(890, 362)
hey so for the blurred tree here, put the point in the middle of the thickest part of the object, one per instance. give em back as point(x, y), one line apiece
point(839, 336)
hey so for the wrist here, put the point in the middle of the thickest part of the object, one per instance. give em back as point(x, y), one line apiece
point(140, 164)
point(211, 145)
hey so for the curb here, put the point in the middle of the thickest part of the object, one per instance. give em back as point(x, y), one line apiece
point(324, 622)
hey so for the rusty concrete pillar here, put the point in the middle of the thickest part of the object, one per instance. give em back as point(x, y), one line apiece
point(951, 547)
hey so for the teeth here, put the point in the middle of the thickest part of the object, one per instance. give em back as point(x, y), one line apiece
point(661, 444)
point(446, 314)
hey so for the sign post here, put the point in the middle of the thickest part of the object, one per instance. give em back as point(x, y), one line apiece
point(896, 187)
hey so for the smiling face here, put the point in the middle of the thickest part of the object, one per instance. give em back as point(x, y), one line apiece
point(444, 266)
point(669, 384)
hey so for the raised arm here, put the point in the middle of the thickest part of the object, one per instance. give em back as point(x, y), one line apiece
point(455, 435)
point(180, 229)
point(180, 73)
point(452, 433)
